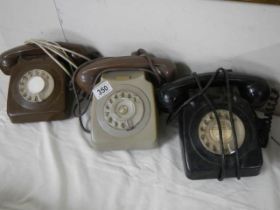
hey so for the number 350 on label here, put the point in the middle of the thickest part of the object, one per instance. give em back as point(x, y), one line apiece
point(102, 89)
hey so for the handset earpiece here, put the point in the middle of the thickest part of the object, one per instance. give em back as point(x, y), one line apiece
point(10, 57)
point(255, 92)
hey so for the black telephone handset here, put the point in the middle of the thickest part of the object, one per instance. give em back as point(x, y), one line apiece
point(254, 89)
point(221, 133)
point(40, 73)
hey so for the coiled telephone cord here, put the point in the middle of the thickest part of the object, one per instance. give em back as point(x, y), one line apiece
point(267, 120)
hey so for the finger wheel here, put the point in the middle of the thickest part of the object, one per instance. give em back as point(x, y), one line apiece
point(209, 133)
point(123, 110)
point(36, 85)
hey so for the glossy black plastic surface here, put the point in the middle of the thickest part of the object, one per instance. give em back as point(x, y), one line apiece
point(198, 162)
point(252, 88)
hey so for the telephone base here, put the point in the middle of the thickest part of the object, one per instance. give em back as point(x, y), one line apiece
point(126, 117)
point(54, 100)
point(126, 145)
point(200, 162)
point(29, 117)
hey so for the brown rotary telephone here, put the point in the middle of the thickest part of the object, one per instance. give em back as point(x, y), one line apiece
point(123, 113)
point(40, 72)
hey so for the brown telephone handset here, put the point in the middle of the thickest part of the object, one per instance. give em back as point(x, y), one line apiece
point(162, 69)
point(123, 113)
point(38, 89)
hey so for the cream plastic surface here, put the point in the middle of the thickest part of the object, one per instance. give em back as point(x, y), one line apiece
point(125, 118)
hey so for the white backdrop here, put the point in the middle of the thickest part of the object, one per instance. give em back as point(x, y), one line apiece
point(204, 34)
point(56, 169)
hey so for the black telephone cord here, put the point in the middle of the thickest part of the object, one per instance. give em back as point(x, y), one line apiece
point(211, 105)
point(229, 98)
point(229, 102)
point(277, 142)
point(267, 120)
point(173, 115)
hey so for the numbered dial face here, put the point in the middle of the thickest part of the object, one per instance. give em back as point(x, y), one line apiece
point(36, 85)
point(209, 132)
point(123, 110)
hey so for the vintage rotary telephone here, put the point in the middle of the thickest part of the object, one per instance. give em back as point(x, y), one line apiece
point(123, 113)
point(221, 133)
point(40, 72)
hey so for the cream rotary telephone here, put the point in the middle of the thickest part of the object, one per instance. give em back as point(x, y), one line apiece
point(123, 110)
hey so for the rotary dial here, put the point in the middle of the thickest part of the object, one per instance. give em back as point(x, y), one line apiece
point(209, 132)
point(36, 85)
point(123, 110)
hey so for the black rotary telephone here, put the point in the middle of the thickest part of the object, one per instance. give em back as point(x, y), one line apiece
point(220, 130)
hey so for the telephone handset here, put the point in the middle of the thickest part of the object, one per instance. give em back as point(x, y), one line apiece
point(123, 113)
point(10, 57)
point(221, 133)
point(162, 69)
point(40, 72)
point(254, 89)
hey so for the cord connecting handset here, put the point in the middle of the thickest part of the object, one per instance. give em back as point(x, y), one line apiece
point(123, 113)
point(221, 133)
point(40, 73)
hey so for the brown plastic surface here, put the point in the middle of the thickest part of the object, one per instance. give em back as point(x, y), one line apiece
point(87, 73)
point(10, 57)
point(19, 60)
point(53, 108)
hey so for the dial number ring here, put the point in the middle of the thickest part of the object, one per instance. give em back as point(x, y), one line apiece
point(208, 132)
point(33, 96)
